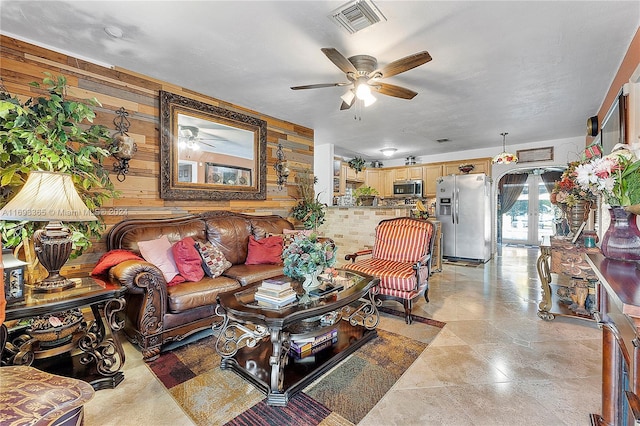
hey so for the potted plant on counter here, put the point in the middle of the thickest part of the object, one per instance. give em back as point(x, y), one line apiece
point(365, 195)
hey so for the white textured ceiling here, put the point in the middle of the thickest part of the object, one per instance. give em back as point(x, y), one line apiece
point(534, 69)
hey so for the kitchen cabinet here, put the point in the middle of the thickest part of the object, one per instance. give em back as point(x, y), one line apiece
point(339, 182)
point(431, 173)
point(353, 176)
point(480, 165)
point(374, 178)
point(408, 173)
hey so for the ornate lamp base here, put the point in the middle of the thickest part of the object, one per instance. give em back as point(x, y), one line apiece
point(52, 246)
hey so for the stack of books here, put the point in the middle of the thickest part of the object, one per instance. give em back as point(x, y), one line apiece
point(275, 293)
point(303, 347)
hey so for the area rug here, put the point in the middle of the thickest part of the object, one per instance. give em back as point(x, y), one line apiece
point(343, 396)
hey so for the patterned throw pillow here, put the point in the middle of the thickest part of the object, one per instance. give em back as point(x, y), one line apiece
point(213, 261)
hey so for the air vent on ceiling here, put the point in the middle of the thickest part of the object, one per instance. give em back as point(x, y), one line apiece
point(357, 15)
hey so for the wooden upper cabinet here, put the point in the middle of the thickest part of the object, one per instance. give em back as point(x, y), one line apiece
point(431, 174)
point(481, 165)
point(374, 179)
point(352, 176)
point(408, 173)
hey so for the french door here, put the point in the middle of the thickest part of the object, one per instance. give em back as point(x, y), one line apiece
point(531, 217)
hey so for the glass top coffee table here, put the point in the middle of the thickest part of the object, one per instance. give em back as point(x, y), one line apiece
point(282, 350)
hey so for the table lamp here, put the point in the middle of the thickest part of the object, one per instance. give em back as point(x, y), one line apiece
point(49, 197)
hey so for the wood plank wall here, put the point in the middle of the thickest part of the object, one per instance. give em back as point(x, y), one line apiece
point(22, 63)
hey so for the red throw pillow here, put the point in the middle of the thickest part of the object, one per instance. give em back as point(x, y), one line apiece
point(188, 259)
point(176, 280)
point(112, 258)
point(265, 251)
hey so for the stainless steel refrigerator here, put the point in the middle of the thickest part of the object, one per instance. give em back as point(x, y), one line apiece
point(463, 205)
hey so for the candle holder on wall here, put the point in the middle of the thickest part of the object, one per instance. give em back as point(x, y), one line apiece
point(282, 171)
point(123, 146)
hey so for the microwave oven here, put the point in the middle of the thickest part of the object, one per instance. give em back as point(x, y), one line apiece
point(407, 188)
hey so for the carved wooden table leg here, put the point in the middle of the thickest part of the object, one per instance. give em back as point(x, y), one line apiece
point(544, 272)
point(106, 352)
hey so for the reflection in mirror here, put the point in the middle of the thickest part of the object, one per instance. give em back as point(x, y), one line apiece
point(210, 152)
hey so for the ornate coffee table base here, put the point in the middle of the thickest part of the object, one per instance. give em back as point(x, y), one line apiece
point(245, 350)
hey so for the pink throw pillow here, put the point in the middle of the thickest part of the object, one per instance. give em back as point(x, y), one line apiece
point(159, 253)
point(265, 251)
point(188, 259)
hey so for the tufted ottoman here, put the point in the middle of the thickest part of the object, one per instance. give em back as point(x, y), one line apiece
point(29, 396)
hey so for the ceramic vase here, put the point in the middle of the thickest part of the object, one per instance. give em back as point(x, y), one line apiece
point(310, 283)
point(622, 239)
point(578, 214)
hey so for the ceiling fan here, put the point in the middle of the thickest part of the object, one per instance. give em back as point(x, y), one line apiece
point(364, 76)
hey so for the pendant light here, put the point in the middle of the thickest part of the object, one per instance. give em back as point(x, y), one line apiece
point(504, 157)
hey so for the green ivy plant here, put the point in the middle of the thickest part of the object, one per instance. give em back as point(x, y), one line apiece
point(357, 164)
point(53, 133)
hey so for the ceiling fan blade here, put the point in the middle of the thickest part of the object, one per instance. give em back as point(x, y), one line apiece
point(339, 60)
point(393, 90)
point(318, 86)
point(404, 64)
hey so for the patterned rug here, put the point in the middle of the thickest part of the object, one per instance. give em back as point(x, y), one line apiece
point(343, 396)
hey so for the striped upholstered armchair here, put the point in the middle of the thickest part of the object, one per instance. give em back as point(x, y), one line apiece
point(401, 258)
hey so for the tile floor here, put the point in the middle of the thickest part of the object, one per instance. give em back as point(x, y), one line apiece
point(494, 363)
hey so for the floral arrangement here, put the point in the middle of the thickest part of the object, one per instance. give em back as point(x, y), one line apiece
point(307, 254)
point(615, 176)
point(568, 191)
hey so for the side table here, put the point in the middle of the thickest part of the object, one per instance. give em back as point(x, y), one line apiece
point(576, 292)
point(94, 353)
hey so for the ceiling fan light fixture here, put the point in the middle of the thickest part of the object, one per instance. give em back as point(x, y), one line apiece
point(388, 152)
point(369, 100)
point(363, 91)
point(348, 97)
point(504, 157)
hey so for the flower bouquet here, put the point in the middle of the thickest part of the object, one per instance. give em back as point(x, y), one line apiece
point(308, 256)
point(568, 191)
point(616, 177)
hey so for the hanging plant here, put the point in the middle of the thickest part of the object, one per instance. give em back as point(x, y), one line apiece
point(357, 164)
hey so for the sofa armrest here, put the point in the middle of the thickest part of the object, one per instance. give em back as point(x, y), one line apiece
point(138, 276)
point(146, 296)
point(352, 256)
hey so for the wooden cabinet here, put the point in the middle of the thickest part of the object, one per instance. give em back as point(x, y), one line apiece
point(387, 183)
point(480, 165)
point(436, 254)
point(353, 176)
point(619, 319)
point(339, 184)
point(374, 179)
point(408, 173)
point(431, 173)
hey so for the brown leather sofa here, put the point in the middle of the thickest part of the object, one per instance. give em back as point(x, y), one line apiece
point(156, 314)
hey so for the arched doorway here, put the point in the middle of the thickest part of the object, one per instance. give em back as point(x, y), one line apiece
point(525, 213)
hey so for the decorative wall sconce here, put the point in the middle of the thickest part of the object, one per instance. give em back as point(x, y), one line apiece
point(282, 171)
point(123, 147)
